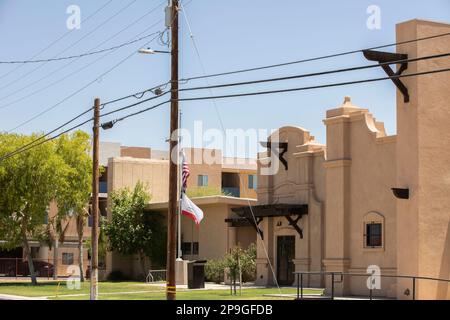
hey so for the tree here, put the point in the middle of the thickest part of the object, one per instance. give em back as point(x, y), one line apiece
point(73, 200)
point(29, 181)
point(130, 231)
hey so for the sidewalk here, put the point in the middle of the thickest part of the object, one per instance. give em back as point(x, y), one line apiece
point(11, 297)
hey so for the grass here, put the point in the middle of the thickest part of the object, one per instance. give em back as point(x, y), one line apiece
point(137, 291)
point(54, 288)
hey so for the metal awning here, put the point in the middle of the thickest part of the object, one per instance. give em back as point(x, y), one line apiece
point(253, 215)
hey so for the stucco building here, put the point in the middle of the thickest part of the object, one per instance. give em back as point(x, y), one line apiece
point(332, 207)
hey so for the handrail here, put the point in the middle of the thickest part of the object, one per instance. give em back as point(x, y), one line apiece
point(333, 274)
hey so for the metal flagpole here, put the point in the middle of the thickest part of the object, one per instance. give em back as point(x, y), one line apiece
point(180, 179)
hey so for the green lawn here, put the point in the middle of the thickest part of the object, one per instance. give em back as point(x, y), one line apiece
point(136, 291)
point(55, 288)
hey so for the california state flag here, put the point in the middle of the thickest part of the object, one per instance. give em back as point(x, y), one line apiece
point(189, 209)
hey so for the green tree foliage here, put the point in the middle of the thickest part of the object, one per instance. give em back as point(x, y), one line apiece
point(130, 230)
point(28, 183)
point(58, 170)
point(73, 199)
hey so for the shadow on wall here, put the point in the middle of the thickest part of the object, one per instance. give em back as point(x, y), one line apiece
point(443, 287)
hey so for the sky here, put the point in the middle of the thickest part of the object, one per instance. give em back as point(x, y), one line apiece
point(229, 35)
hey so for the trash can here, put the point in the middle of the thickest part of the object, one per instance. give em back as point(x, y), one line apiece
point(196, 274)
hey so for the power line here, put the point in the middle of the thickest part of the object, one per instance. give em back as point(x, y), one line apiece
point(60, 79)
point(230, 96)
point(313, 59)
point(57, 40)
point(12, 154)
point(314, 74)
point(82, 54)
point(79, 90)
point(70, 63)
point(283, 91)
point(316, 87)
point(53, 131)
point(72, 45)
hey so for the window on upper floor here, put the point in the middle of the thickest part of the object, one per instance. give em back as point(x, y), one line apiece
point(202, 180)
point(67, 258)
point(252, 181)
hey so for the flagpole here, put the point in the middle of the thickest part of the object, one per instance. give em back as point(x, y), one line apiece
point(180, 177)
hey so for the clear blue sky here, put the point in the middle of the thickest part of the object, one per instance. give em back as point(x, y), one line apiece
point(230, 34)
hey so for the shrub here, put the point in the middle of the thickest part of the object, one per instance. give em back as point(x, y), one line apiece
point(214, 271)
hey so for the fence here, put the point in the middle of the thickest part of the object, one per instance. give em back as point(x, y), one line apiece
point(338, 277)
point(18, 267)
point(156, 276)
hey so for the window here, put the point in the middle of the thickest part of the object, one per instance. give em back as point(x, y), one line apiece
point(374, 234)
point(252, 181)
point(195, 248)
point(202, 180)
point(186, 248)
point(189, 248)
point(67, 258)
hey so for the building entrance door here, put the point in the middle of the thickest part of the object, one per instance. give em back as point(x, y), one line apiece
point(285, 256)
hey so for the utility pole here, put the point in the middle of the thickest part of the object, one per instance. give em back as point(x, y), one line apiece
point(95, 177)
point(173, 163)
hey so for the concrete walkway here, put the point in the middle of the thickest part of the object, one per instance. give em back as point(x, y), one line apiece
point(12, 297)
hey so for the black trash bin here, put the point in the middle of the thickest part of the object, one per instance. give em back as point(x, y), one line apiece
point(196, 274)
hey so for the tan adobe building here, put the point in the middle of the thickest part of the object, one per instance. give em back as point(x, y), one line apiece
point(217, 183)
point(332, 208)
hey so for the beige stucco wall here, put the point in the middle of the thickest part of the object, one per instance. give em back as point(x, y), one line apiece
point(126, 172)
point(350, 183)
point(302, 183)
point(423, 233)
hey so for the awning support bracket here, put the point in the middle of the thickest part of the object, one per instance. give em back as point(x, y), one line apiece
point(386, 57)
point(283, 146)
point(256, 225)
point(294, 224)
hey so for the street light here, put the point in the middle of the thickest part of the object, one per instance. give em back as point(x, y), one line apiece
point(151, 51)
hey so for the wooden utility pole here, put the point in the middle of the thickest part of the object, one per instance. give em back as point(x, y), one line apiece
point(95, 177)
point(173, 163)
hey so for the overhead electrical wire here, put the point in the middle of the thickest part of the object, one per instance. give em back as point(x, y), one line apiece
point(138, 95)
point(54, 130)
point(12, 154)
point(58, 39)
point(339, 84)
point(129, 42)
point(72, 45)
point(313, 59)
point(79, 90)
point(33, 93)
point(82, 54)
point(232, 96)
point(314, 74)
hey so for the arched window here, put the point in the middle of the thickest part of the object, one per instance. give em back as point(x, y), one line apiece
point(373, 230)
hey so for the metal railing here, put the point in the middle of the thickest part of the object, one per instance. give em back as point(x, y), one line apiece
point(155, 276)
point(340, 278)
